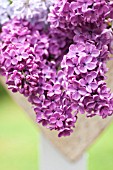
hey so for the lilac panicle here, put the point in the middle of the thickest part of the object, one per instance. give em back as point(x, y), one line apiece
point(59, 64)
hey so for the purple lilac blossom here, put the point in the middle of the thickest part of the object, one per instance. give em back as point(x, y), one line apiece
point(26, 62)
point(60, 64)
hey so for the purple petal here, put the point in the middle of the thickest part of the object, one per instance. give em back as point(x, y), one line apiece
point(88, 59)
point(82, 91)
point(53, 120)
point(83, 82)
point(94, 85)
point(89, 79)
point(83, 69)
point(76, 96)
point(91, 66)
point(59, 123)
point(72, 47)
point(65, 132)
point(88, 88)
point(14, 61)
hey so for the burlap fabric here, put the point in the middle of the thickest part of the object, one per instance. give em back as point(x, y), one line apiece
point(85, 133)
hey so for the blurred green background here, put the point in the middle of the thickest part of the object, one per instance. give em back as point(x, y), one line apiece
point(19, 141)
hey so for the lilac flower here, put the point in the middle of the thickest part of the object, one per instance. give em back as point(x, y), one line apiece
point(71, 60)
point(57, 119)
point(65, 132)
point(92, 51)
point(72, 65)
point(76, 91)
point(104, 111)
point(59, 44)
point(86, 63)
point(104, 92)
point(77, 49)
point(41, 118)
point(80, 4)
point(53, 90)
point(59, 64)
point(101, 7)
point(89, 82)
point(28, 8)
point(78, 107)
point(25, 56)
point(5, 11)
point(85, 12)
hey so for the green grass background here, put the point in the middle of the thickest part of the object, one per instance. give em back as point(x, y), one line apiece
point(19, 139)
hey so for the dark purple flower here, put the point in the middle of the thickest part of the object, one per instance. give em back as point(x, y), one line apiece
point(65, 132)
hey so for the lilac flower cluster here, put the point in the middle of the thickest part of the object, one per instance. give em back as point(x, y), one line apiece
point(24, 9)
point(85, 64)
point(60, 64)
point(26, 61)
point(85, 67)
point(5, 11)
point(30, 8)
point(23, 54)
point(69, 14)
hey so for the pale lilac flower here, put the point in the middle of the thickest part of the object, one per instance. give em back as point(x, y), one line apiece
point(5, 11)
point(29, 8)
